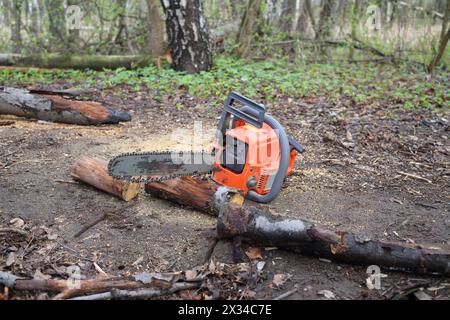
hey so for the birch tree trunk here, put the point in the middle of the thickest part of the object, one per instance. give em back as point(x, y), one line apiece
point(187, 35)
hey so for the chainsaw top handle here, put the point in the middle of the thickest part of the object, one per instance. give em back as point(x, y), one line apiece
point(255, 118)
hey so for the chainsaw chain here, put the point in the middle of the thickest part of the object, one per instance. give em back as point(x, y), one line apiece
point(153, 179)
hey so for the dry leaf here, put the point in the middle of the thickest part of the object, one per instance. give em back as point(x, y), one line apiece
point(254, 253)
point(248, 294)
point(280, 279)
point(17, 223)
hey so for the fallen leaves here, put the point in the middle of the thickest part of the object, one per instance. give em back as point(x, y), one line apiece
point(279, 280)
point(254, 253)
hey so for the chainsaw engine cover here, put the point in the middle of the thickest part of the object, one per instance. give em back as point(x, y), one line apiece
point(250, 158)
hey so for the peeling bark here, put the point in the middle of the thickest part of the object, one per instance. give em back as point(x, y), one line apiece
point(187, 35)
point(306, 238)
point(22, 103)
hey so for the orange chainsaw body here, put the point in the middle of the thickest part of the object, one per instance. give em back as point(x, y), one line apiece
point(259, 160)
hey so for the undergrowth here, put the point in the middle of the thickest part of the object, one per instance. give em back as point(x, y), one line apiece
point(363, 83)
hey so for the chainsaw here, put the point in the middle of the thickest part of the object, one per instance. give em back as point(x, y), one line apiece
point(252, 153)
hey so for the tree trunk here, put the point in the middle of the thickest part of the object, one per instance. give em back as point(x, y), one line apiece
point(17, 26)
point(247, 27)
point(187, 35)
point(326, 20)
point(95, 173)
point(156, 42)
point(57, 26)
point(22, 103)
point(298, 235)
point(74, 61)
point(309, 10)
point(443, 41)
point(6, 11)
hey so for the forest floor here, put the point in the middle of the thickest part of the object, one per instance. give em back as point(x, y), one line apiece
point(351, 178)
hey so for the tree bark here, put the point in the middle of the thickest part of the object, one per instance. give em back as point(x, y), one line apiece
point(58, 40)
point(74, 61)
point(95, 173)
point(164, 283)
point(157, 44)
point(187, 35)
point(247, 27)
point(443, 41)
point(191, 192)
point(301, 236)
point(17, 26)
point(55, 108)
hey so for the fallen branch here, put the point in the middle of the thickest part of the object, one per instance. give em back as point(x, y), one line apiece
point(95, 62)
point(138, 286)
point(23, 103)
point(300, 236)
point(306, 238)
point(14, 230)
point(95, 173)
point(140, 293)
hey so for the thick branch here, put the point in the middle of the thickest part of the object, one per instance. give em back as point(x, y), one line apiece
point(22, 103)
point(74, 61)
point(299, 235)
point(304, 237)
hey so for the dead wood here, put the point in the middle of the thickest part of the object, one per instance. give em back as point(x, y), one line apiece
point(301, 236)
point(307, 238)
point(61, 61)
point(55, 108)
point(128, 287)
point(95, 173)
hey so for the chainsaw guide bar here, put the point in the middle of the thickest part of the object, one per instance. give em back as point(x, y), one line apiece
point(156, 166)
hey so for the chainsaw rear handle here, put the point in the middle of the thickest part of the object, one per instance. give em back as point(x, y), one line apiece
point(284, 159)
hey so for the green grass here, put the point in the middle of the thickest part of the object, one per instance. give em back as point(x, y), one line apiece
point(362, 83)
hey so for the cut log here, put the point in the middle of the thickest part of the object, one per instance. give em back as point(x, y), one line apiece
point(60, 61)
point(195, 193)
point(301, 236)
point(55, 108)
point(95, 173)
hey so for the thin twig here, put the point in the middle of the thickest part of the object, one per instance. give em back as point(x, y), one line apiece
point(286, 294)
point(413, 176)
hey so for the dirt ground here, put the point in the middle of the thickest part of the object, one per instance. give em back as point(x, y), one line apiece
point(351, 178)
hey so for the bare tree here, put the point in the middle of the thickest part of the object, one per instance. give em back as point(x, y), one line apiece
point(187, 35)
